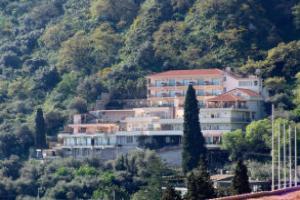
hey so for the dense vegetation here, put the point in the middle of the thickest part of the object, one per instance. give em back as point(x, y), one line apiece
point(140, 174)
point(61, 55)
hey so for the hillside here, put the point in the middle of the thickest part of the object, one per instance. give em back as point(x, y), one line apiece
point(62, 54)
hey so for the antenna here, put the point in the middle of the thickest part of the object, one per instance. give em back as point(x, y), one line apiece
point(290, 157)
point(273, 151)
point(279, 181)
point(284, 156)
point(296, 181)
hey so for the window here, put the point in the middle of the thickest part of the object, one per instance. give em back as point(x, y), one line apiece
point(82, 130)
point(168, 140)
point(201, 104)
point(157, 83)
point(171, 82)
point(200, 92)
point(216, 92)
point(89, 141)
point(208, 140)
point(200, 82)
point(172, 93)
point(179, 83)
point(179, 93)
point(245, 83)
point(216, 81)
point(208, 93)
point(160, 83)
point(186, 82)
point(129, 139)
point(216, 140)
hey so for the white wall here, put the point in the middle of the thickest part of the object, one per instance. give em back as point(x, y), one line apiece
point(233, 82)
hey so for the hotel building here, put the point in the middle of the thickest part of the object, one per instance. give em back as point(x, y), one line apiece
point(227, 102)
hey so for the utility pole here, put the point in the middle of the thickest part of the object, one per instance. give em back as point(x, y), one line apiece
point(273, 151)
point(296, 179)
point(279, 178)
point(284, 156)
point(290, 157)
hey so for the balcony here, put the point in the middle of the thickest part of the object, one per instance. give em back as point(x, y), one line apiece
point(224, 120)
point(165, 95)
point(142, 119)
point(194, 83)
point(151, 133)
point(228, 106)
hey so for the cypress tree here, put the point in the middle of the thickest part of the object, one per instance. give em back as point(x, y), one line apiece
point(194, 148)
point(170, 194)
point(240, 182)
point(40, 130)
point(199, 185)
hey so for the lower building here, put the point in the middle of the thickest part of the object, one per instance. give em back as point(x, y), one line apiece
point(108, 133)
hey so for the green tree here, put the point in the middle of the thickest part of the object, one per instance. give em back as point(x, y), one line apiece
point(54, 121)
point(26, 140)
point(258, 136)
point(240, 182)
point(40, 130)
point(168, 45)
point(280, 61)
point(297, 94)
point(170, 194)
point(90, 88)
point(10, 167)
point(77, 54)
point(79, 105)
point(122, 11)
point(194, 148)
point(235, 143)
point(47, 78)
point(107, 45)
point(199, 185)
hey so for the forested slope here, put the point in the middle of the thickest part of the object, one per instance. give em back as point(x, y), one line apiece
point(62, 54)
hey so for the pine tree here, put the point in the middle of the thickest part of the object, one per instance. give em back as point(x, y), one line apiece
point(170, 194)
point(194, 148)
point(40, 130)
point(240, 182)
point(199, 185)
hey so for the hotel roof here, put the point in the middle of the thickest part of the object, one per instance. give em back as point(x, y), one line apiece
point(226, 97)
point(189, 72)
point(250, 93)
point(231, 96)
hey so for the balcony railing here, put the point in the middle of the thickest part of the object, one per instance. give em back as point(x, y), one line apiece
point(228, 106)
point(224, 120)
point(205, 83)
point(179, 95)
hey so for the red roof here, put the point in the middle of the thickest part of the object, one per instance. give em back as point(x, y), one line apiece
point(230, 96)
point(189, 72)
point(246, 91)
point(226, 97)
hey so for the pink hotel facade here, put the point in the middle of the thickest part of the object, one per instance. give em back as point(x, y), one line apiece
point(228, 102)
point(163, 88)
